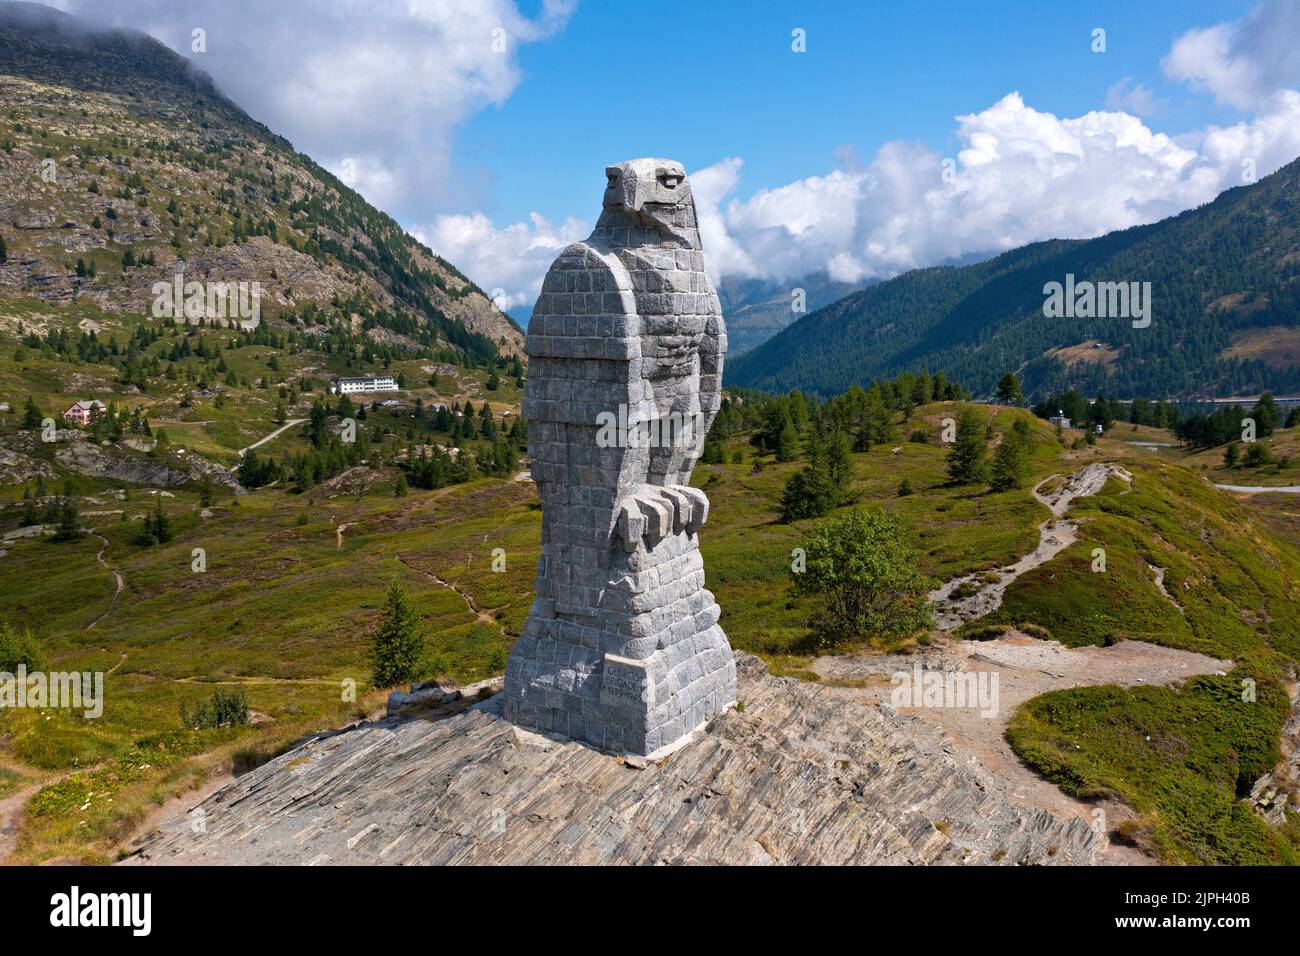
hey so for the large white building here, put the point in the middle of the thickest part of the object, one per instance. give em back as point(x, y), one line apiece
point(367, 383)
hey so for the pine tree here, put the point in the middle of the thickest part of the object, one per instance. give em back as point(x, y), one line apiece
point(1009, 392)
point(4, 250)
point(1011, 461)
point(396, 647)
point(787, 442)
point(838, 463)
point(811, 492)
point(32, 416)
point(30, 515)
point(69, 520)
point(160, 524)
point(966, 463)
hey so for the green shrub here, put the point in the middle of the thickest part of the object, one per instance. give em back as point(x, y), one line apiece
point(1035, 630)
point(19, 647)
point(985, 632)
point(864, 570)
point(225, 708)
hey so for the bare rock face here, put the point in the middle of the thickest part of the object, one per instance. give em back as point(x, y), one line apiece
point(802, 774)
point(87, 458)
point(622, 647)
point(16, 468)
point(1276, 795)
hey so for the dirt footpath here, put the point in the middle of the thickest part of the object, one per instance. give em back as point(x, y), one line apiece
point(972, 596)
point(1025, 667)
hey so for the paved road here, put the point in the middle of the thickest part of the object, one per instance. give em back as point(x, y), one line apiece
point(1261, 489)
point(282, 429)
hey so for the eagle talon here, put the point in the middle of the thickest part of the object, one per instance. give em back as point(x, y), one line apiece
point(653, 513)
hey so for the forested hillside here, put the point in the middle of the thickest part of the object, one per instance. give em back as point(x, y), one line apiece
point(1225, 296)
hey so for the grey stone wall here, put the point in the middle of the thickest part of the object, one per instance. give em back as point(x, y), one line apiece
point(622, 647)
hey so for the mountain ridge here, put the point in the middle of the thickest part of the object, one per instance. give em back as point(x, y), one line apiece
point(1218, 272)
point(127, 121)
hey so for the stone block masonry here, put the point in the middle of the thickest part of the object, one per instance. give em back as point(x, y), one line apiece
point(622, 648)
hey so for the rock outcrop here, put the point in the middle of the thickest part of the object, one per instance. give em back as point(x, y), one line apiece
point(799, 773)
point(94, 461)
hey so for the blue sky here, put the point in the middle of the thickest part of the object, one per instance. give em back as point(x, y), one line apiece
point(906, 135)
point(728, 84)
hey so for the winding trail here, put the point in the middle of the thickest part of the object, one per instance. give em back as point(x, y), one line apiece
point(955, 606)
point(483, 616)
point(13, 812)
point(13, 808)
point(1159, 573)
point(1024, 667)
point(121, 584)
point(266, 438)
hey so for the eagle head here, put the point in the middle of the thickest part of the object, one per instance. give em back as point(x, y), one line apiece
point(654, 193)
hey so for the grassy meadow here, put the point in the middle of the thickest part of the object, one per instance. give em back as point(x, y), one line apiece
point(293, 584)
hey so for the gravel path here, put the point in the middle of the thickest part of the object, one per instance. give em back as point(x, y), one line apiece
point(956, 604)
point(279, 431)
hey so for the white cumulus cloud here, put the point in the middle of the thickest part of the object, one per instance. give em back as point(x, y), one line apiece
point(1021, 175)
point(508, 262)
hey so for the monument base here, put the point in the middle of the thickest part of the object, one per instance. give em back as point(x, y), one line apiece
point(557, 684)
point(639, 668)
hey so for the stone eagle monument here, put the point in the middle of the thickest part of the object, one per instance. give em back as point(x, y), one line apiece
point(622, 647)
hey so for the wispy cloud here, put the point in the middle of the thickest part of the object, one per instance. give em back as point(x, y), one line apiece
point(1243, 63)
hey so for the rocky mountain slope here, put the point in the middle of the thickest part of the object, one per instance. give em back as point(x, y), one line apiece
point(757, 309)
point(116, 154)
point(1225, 305)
